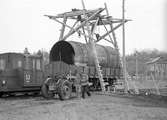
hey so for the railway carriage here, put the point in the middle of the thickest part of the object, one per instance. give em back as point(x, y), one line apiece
point(20, 73)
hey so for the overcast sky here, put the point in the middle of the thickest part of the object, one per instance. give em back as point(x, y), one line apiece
point(22, 23)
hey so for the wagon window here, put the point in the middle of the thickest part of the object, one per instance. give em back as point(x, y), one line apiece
point(38, 64)
point(27, 63)
point(2, 64)
point(33, 64)
point(19, 63)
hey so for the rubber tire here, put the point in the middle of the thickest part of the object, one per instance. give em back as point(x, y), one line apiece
point(1, 94)
point(45, 92)
point(65, 90)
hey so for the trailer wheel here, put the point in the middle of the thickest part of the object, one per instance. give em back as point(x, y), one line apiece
point(1, 94)
point(65, 90)
point(45, 91)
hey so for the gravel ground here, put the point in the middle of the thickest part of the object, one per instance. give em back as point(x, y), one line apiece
point(96, 107)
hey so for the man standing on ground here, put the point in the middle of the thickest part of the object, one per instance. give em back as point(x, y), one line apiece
point(84, 85)
point(77, 84)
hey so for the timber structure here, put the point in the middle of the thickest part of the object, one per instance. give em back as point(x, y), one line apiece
point(85, 22)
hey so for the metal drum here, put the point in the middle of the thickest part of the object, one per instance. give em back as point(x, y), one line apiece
point(72, 52)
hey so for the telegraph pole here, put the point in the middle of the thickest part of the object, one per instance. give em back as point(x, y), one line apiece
point(136, 66)
point(123, 39)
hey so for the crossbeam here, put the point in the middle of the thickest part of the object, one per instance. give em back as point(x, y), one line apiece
point(77, 13)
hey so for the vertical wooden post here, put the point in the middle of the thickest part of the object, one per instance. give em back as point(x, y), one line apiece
point(84, 35)
point(111, 26)
point(136, 66)
point(63, 28)
point(123, 39)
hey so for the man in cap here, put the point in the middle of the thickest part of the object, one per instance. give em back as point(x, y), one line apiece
point(77, 83)
point(85, 85)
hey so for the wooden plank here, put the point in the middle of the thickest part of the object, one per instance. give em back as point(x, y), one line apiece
point(63, 28)
point(106, 22)
point(76, 13)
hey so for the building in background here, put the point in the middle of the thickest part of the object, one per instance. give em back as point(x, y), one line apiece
point(157, 68)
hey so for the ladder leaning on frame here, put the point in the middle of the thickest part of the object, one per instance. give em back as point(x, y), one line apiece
point(90, 33)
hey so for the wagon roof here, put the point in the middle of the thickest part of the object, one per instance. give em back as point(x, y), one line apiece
point(11, 53)
point(158, 60)
point(20, 54)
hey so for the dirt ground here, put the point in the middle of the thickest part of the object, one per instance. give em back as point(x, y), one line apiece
point(96, 107)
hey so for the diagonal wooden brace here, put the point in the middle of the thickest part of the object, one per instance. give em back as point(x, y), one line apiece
point(103, 36)
point(82, 24)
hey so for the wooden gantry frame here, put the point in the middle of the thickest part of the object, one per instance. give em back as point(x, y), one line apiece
point(89, 18)
point(86, 22)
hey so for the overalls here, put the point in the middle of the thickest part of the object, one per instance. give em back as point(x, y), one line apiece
point(84, 85)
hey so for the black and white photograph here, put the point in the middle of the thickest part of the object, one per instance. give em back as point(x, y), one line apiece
point(83, 60)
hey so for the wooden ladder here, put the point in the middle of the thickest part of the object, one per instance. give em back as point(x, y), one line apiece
point(90, 33)
point(98, 67)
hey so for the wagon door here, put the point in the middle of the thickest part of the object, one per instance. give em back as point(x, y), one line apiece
point(28, 76)
point(33, 71)
point(38, 75)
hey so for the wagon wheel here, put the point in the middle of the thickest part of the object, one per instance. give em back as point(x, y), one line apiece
point(65, 90)
point(1, 94)
point(45, 91)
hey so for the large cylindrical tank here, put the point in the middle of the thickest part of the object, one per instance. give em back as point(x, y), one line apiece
point(72, 52)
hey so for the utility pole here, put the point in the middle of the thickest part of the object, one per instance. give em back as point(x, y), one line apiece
point(136, 66)
point(123, 39)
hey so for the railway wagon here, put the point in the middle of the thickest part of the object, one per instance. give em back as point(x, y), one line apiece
point(67, 57)
point(20, 73)
point(75, 53)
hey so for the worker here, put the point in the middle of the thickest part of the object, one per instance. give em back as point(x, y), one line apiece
point(77, 84)
point(85, 85)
